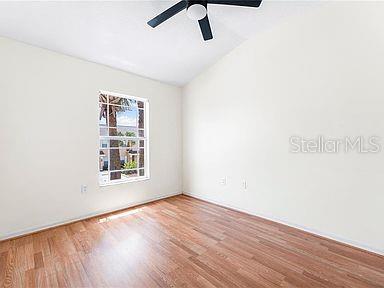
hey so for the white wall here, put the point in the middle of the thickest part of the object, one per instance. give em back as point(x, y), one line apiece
point(49, 138)
point(319, 74)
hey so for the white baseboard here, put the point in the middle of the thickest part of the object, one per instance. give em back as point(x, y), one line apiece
point(287, 223)
point(83, 217)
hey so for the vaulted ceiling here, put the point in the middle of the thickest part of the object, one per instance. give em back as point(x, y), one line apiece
point(116, 33)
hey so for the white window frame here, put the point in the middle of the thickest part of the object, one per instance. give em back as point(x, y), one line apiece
point(145, 138)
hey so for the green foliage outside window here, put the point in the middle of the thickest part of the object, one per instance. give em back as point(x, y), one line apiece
point(127, 134)
point(130, 165)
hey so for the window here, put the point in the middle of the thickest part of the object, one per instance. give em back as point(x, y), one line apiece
point(123, 148)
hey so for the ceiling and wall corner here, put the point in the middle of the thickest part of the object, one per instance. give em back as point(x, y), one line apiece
point(116, 34)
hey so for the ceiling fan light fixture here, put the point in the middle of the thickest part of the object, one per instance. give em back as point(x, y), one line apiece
point(196, 12)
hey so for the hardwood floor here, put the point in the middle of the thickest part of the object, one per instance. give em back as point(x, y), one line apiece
point(183, 242)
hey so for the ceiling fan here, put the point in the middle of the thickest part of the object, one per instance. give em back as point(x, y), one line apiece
point(197, 10)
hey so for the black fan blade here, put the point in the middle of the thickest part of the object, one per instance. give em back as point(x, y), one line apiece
point(167, 14)
point(205, 28)
point(247, 3)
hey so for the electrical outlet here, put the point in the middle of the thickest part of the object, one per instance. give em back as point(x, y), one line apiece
point(223, 181)
point(83, 189)
point(245, 184)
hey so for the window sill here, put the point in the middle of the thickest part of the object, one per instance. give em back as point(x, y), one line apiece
point(125, 181)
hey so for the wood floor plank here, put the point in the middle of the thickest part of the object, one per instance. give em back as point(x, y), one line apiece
point(184, 242)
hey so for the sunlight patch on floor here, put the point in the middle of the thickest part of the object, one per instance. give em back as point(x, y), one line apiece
point(120, 215)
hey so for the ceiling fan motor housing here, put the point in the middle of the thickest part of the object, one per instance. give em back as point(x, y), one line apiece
point(196, 10)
